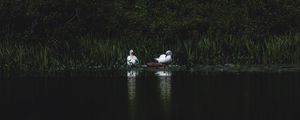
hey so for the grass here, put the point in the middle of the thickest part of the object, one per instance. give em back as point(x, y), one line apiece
point(91, 52)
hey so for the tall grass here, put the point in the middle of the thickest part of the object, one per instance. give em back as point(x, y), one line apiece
point(92, 52)
point(282, 49)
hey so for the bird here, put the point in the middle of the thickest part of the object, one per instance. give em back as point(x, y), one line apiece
point(132, 60)
point(165, 58)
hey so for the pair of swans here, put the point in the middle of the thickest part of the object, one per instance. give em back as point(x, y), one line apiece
point(166, 58)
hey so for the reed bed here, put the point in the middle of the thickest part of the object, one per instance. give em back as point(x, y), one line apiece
point(91, 52)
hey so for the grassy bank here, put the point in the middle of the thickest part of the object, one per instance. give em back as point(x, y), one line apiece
point(92, 52)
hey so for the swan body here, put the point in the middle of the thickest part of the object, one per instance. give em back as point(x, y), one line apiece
point(165, 58)
point(132, 60)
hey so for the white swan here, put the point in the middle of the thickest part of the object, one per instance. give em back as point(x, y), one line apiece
point(165, 58)
point(132, 59)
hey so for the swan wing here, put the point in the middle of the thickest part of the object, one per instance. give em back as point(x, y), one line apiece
point(136, 61)
point(128, 58)
point(132, 60)
point(162, 56)
point(166, 59)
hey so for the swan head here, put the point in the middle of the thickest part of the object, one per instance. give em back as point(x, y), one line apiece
point(169, 52)
point(131, 52)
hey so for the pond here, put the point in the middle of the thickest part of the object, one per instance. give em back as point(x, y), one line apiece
point(151, 95)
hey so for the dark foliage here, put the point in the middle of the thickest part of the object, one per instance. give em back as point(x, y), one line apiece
point(65, 34)
point(49, 20)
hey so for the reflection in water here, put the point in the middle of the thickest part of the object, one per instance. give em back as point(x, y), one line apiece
point(132, 73)
point(165, 90)
point(182, 95)
point(131, 79)
point(163, 73)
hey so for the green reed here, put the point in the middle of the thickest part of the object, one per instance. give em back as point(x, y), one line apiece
point(93, 52)
point(282, 49)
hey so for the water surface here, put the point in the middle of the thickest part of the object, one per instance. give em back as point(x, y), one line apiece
point(151, 95)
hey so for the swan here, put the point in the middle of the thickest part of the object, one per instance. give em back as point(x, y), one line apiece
point(165, 58)
point(132, 59)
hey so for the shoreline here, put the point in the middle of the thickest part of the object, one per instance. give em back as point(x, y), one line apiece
point(226, 68)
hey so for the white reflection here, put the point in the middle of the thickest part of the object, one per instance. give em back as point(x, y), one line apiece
point(163, 73)
point(132, 73)
point(164, 85)
point(165, 90)
point(131, 80)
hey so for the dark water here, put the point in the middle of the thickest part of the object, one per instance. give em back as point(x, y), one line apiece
point(162, 95)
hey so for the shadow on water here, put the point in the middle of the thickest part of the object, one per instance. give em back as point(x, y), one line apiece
point(151, 95)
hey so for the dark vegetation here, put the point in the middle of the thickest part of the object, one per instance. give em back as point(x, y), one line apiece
point(76, 34)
